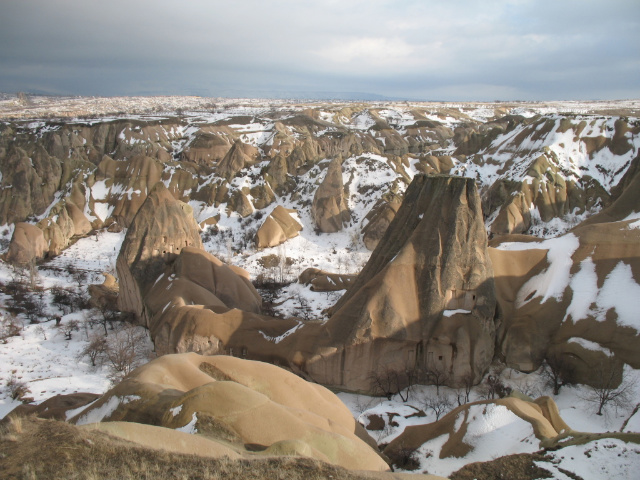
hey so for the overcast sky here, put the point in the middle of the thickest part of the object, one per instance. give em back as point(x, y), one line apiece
point(431, 50)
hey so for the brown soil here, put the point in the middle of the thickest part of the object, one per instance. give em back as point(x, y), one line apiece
point(512, 467)
point(32, 448)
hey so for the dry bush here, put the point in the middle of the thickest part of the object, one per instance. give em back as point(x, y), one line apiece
point(54, 450)
point(18, 389)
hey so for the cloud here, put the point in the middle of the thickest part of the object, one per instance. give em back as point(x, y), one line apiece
point(530, 49)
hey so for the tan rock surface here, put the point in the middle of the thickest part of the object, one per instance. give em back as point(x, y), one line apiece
point(330, 211)
point(432, 259)
point(278, 227)
point(162, 227)
point(322, 281)
point(235, 403)
point(27, 245)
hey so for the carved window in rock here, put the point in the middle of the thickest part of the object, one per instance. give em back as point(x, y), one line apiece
point(459, 299)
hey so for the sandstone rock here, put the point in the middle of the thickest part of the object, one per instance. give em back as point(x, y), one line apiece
point(81, 224)
point(456, 426)
point(424, 300)
point(57, 406)
point(278, 227)
point(162, 227)
point(539, 320)
point(104, 294)
point(29, 182)
point(210, 145)
point(330, 211)
point(238, 402)
point(322, 281)
point(379, 218)
point(122, 186)
point(234, 161)
point(27, 245)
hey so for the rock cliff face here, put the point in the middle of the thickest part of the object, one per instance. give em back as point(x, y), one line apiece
point(425, 299)
point(533, 173)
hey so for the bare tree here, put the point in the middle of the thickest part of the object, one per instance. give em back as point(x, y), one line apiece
point(612, 386)
point(125, 351)
point(390, 382)
point(558, 372)
point(436, 374)
point(95, 349)
point(69, 327)
point(440, 404)
point(465, 391)
point(493, 387)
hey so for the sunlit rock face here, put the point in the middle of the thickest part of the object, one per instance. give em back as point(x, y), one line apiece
point(426, 298)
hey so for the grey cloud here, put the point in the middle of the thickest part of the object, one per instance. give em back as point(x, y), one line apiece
point(420, 49)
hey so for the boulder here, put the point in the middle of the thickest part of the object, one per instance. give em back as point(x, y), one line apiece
point(425, 300)
point(162, 227)
point(329, 210)
point(278, 227)
point(104, 295)
point(322, 281)
point(238, 404)
point(27, 245)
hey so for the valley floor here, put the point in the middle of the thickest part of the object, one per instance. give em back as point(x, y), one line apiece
point(48, 363)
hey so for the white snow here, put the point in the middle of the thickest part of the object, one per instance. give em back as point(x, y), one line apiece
point(584, 285)
point(492, 430)
point(603, 459)
point(176, 410)
point(551, 282)
point(620, 292)
point(450, 313)
point(589, 345)
point(191, 426)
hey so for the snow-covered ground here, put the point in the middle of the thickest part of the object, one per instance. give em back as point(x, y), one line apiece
point(41, 356)
point(496, 431)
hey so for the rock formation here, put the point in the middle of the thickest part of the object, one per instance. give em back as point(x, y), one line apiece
point(538, 421)
point(330, 211)
point(278, 227)
point(239, 403)
point(322, 281)
point(379, 218)
point(104, 295)
point(554, 302)
point(27, 245)
point(425, 300)
point(162, 227)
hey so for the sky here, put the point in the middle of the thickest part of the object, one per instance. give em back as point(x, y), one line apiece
point(460, 50)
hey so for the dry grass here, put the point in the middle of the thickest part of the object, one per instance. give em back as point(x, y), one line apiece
point(33, 448)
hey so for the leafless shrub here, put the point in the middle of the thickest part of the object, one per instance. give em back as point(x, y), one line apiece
point(439, 405)
point(612, 387)
point(9, 327)
point(18, 389)
point(125, 351)
point(557, 372)
point(95, 349)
